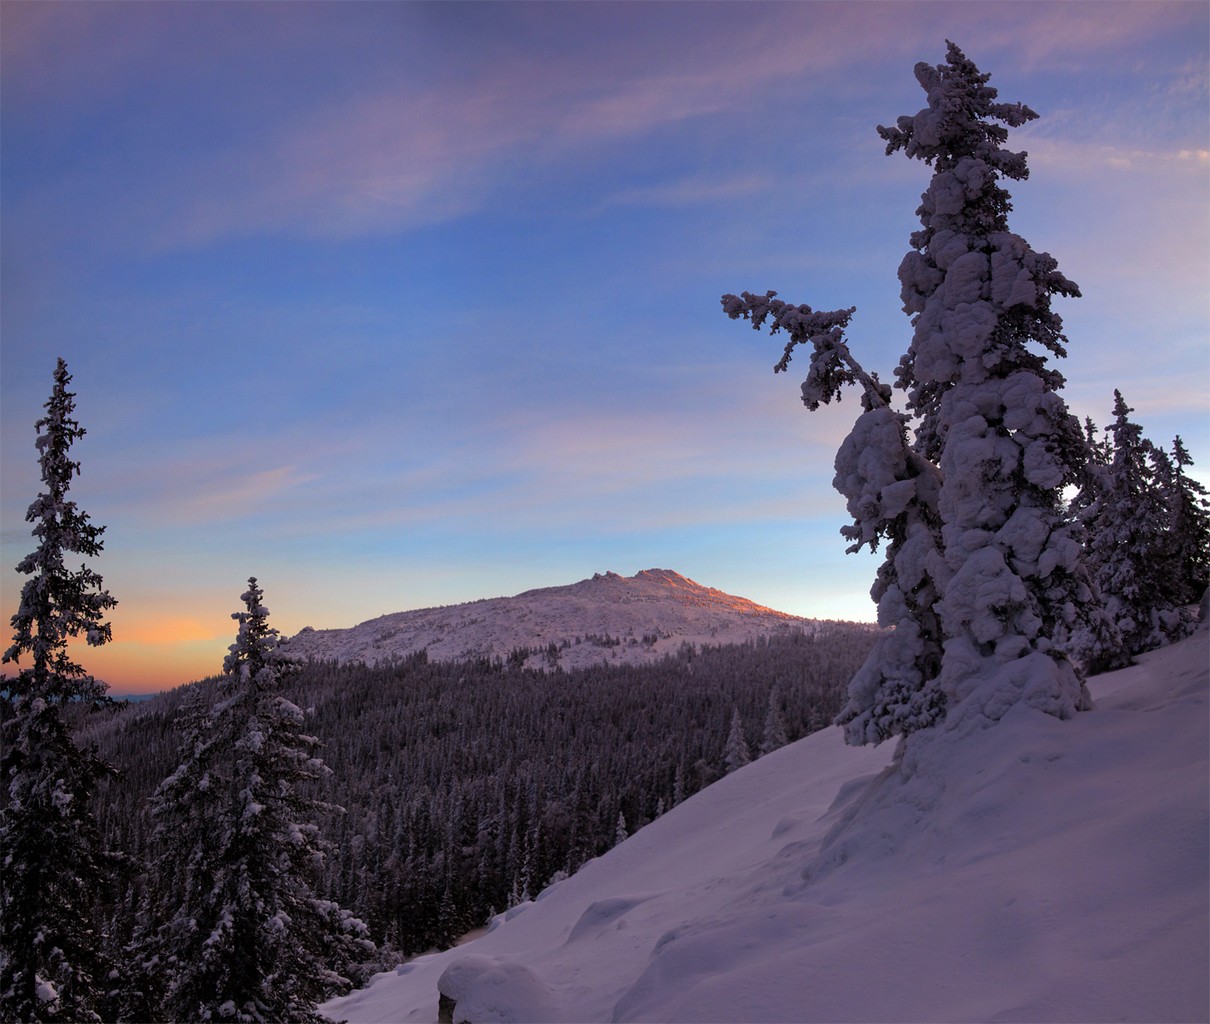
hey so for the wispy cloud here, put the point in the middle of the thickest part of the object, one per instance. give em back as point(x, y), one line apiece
point(398, 160)
point(191, 491)
point(1082, 159)
point(1049, 35)
point(693, 191)
point(400, 151)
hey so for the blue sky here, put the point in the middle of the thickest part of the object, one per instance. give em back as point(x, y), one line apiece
point(395, 305)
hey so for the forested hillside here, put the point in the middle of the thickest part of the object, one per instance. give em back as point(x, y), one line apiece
point(467, 786)
point(1040, 871)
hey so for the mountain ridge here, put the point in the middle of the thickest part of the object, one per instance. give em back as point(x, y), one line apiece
point(605, 618)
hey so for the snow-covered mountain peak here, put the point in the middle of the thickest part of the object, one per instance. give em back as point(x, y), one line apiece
point(605, 618)
point(655, 585)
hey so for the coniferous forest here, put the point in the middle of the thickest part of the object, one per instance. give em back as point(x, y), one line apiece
point(242, 847)
point(464, 788)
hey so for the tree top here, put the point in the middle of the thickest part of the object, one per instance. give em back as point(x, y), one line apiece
point(959, 120)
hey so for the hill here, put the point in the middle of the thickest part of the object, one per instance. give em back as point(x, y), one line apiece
point(466, 786)
point(1038, 870)
point(608, 618)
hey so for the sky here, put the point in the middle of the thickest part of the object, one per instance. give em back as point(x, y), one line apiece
point(397, 305)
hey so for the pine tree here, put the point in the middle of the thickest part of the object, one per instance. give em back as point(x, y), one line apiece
point(984, 580)
point(736, 754)
point(237, 927)
point(51, 965)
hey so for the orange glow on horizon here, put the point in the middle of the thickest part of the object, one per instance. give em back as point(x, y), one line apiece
point(151, 653)
point(168, 630)
point(132, 666)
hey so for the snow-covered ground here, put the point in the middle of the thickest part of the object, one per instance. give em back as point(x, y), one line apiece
point(646, 616)
point(1037, 870)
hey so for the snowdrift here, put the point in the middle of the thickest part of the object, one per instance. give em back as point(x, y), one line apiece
point(1038, 870)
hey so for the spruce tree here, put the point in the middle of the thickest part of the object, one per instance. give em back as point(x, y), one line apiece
point(1127, 534)
point(984, 580)
point(1188, 527)
point(891, 493)
point(988, 407)
point(737, 753)
point(236, 926)
point(51, 965)
point(1143, 539)
point(775, 729)
point(620, 832)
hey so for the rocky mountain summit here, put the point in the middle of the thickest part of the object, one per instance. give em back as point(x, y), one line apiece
point(608, 618)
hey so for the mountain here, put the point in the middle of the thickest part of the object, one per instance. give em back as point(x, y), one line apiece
point(1036, 870)
point(608, 618)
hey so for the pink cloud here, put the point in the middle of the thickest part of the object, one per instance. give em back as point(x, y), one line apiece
point(412, 153)
point(191, 491)
point(398, 150)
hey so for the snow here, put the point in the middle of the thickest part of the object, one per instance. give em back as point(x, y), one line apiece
point(1033, 870)
point(646, 616)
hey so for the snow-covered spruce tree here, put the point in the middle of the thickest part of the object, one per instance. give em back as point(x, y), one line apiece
point(774, 736)
point(620, 833)
point(737, 753)
point(236, 928)
point(988, 591)
point(1188, 527)
point(891, 492)
point(988, 408)
point(1130, 546)
point(51, 862)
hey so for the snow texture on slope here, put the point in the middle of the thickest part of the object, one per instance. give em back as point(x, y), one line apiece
point(1041, 870)
point(608, 618)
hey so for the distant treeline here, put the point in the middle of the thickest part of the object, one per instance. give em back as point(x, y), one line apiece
point(468, 786)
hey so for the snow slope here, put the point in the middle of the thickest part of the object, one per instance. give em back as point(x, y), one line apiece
point(660, 605)
point(1037, 870)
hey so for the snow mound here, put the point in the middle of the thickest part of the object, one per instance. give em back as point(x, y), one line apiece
point(1037, 870)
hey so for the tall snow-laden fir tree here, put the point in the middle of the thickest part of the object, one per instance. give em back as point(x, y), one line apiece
point(988, 407)
point(891, 493)
point(234, 925)
point(51, 862)
point(983, 578)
